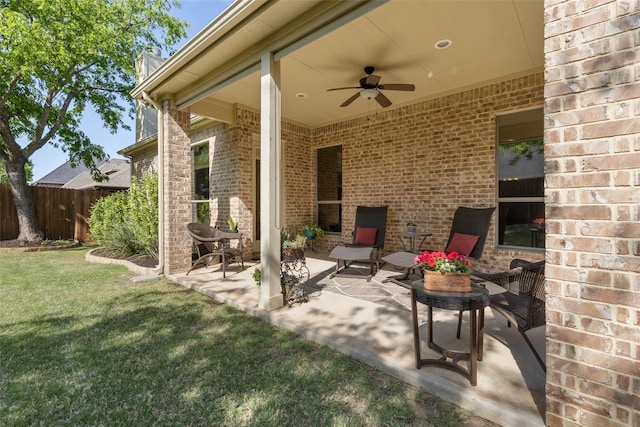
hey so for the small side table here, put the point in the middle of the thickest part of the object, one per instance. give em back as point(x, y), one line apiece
point(412, 238)
point(474, 301)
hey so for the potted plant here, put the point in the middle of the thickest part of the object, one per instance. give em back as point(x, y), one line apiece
point(292, 258)
point(312, 232)
point(445, 272)
point(233, 224)
point(411, 227)
point(293, 249)
point(257, 276)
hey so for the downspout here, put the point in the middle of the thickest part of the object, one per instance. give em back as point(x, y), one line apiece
point(160, 142)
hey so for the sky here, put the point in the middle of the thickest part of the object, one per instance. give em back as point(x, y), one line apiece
point(198, 13)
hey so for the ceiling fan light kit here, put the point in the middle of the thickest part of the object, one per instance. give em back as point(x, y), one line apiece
point(371, 89)
point(369, 93)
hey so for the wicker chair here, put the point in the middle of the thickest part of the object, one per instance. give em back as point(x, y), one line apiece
point(210, 242)
point(523, 303)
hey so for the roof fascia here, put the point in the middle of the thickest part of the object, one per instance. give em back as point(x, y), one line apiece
point(221, 25)
point(323, 19)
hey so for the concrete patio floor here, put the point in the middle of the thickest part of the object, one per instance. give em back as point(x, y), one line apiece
point(511, 383)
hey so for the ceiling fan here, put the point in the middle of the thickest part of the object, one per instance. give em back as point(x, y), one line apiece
point(370, 88)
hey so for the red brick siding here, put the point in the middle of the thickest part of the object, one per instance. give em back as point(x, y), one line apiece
point(177, 189)
point(145, 163)
point(231, 148)
point(592, 150)
point(426, 159)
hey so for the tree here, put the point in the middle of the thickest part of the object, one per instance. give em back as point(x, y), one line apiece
point(57, 58)
point(28, 170)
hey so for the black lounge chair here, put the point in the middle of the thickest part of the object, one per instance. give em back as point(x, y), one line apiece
point(471, 222)
point(368, 240)
point(467, 236)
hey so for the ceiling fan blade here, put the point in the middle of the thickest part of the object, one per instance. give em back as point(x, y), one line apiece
point(398, 86)
point(372, 80)
point(341, 88)
point(383, 100)
point(350, 100)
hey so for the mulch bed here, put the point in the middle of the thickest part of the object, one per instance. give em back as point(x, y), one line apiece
point(36, 244)
point(21, 245)
point(141, 260)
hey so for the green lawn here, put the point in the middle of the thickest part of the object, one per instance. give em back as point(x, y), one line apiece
point(81, 345)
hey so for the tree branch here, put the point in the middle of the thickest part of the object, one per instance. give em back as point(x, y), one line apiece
point(12, 86)
point(44, 117)
point(37, 143)
point(9, 146)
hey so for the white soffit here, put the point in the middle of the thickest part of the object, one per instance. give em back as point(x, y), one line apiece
point(492, 41)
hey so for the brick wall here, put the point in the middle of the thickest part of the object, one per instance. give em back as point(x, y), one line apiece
point(223, 171)
point(592, 152)
point(232, 152)
point(300, 172)
point(423, 161)
point(426, 159)
point(177, 189)
point(145, 162)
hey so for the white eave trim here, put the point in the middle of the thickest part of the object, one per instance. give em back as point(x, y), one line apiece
point(329, 20)
point(213, 32)
point(231, 20)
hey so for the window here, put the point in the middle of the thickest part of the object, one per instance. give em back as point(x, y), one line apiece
point(329, 188)
point(521, 179)
point(200, 209)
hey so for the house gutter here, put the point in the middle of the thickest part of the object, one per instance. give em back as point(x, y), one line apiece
point(159, 270)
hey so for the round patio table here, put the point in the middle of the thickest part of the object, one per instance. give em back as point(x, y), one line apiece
point(474, 301)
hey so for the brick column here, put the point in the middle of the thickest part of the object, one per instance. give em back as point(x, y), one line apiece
point(176, 165)
point(592, 154)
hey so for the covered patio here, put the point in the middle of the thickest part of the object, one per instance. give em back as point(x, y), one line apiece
point(371, 321)
point(253, 87)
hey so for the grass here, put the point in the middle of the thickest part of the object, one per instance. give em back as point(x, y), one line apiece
point(80, 345)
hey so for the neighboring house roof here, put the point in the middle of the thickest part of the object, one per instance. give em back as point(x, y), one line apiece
point(61, 175)
point(118, 171)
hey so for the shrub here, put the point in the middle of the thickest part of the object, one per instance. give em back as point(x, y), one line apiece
point(126, 223)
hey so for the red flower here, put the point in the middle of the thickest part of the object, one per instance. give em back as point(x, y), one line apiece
point(453, 262)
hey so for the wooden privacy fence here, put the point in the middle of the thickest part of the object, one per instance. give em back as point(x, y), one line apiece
point(60, 213)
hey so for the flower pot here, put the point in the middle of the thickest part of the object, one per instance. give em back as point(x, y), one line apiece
point(411, 228)
point(453, 282)
point(310, 235)
point(292, 254)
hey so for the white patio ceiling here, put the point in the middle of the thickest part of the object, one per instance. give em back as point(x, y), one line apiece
point(491, 41)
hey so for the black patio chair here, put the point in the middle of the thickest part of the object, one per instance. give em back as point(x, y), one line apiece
point(467, 236)
point(370, 229)
point(210, 242)
point(470, 222)
point(368, 241)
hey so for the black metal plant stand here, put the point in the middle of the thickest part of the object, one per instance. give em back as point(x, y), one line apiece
point(293, 275)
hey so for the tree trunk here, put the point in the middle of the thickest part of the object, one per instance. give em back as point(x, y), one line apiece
point(23, 202)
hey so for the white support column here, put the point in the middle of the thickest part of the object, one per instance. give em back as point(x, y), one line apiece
point(270, 178)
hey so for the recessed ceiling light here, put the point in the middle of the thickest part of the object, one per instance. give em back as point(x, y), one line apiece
point(301, 95)
point(443, 44)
